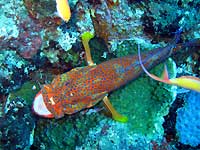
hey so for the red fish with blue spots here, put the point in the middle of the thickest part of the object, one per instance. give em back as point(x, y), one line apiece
point(84, 87)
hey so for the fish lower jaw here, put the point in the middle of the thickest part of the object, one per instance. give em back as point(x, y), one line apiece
point(40, 108)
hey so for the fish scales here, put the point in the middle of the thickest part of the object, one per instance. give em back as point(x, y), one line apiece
point(82, 88)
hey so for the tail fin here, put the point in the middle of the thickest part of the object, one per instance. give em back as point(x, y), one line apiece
point(165, 79)
point(188, 82)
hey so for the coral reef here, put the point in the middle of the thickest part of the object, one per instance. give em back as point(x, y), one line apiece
point(66, 133)
point(27, 92)
point(145, 109)
point(112, 135)
point(14, 70)
point(22, 34)
point(117, 22)
point(17, 126)
point(32, 29)
point(187, 121)
point(162, 19)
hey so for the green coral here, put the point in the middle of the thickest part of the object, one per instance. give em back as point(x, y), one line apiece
point(52, 55)
point(145, 102)
point(99, 50)
point(65, 133)
point(56, 56)
point(129, 47)
point(123, 48)
point(27, 92)
point(70, 56)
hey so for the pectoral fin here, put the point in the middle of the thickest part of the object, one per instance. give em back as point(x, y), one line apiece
point(116, 116)
point(86, 37)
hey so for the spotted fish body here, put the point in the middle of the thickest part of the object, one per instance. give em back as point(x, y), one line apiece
point(82, 88)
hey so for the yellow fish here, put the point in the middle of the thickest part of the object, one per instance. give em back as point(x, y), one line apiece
point(188, 82)
point(63, 9)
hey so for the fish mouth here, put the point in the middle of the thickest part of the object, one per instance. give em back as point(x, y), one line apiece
point(40, 108)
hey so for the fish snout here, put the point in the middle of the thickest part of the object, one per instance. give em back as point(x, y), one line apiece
point(40, 108)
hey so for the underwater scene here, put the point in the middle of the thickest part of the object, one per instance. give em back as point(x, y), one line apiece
point(100, 75)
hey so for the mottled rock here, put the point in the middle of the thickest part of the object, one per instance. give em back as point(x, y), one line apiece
point(16, 126)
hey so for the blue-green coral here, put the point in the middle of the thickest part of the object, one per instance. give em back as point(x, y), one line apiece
point(8, 14)
point(13, 70)
point(17, 126)
point(145, 102)
point(187, 121)
point(167, 14)
point(66, 133)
